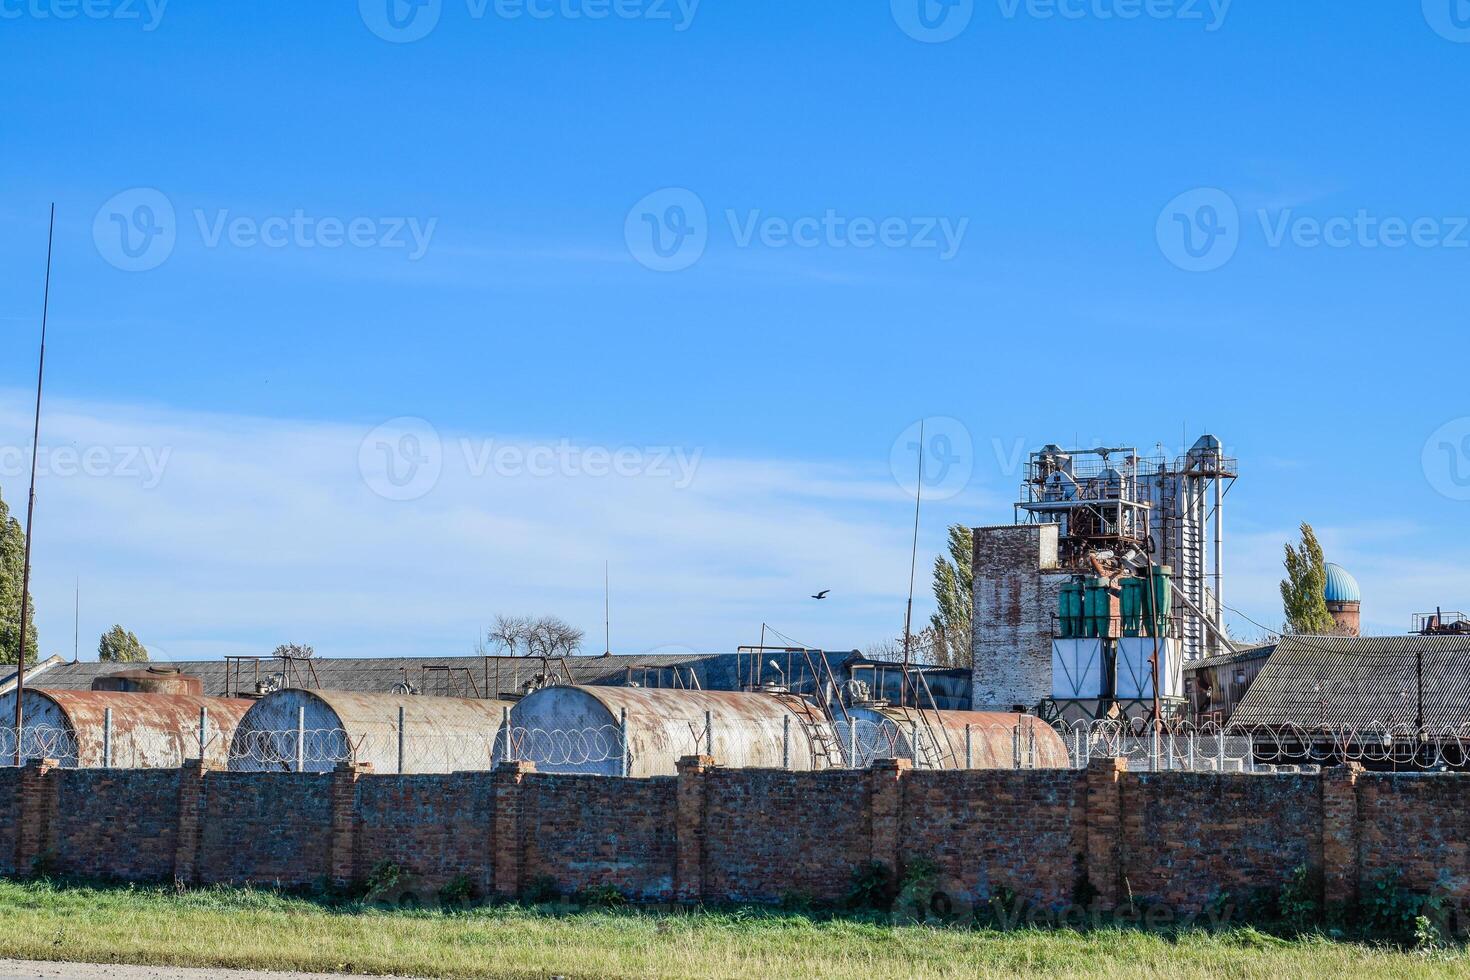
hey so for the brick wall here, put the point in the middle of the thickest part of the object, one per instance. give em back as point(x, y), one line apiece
point(737, 835)
point(1016, 592)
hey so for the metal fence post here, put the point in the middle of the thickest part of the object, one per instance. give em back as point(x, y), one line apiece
point(107, 738)
point(914, 741)
point(969, 749)
point(1153, 755)
point(301, 738)
point(852, 756)
point(623, 740)
point(203, 730)
point(709, 734)
point(401, 713)
point(1016, 747)
point(786, 742)
point(505, 733)
point(1220, 750)
point(1193, 742)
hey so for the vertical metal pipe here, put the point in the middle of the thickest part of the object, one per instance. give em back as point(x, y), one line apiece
point(301, 738)
point(709, 734)
point(401, 713)
point(786, 742)
point(969, 749)
point(203, 730)
point(623, 739)
point(107, 738)
point(852, 755)
point(1016, 747)
point(1219, 548)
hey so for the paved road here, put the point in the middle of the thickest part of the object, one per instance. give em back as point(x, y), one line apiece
point(28, 970)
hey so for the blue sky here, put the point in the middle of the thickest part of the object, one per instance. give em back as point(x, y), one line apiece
point(989, 229)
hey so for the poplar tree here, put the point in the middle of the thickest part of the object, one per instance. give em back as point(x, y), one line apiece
point(12, 564)
point(1304, 590)
point(954, 594)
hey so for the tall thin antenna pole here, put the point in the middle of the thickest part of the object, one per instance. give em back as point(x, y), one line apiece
point(25, 575)
point(908, 615)
point(76, 625)
point(606, 610)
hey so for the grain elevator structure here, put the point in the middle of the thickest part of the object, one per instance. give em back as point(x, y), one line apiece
point(1114, 563)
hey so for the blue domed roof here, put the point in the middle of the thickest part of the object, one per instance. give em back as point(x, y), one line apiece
point(1341, 587)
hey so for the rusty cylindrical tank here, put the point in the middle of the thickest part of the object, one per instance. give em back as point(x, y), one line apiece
point(576, 730)
point(151, 680)
point(149, 731)
point(439, 734)
point(937, 739)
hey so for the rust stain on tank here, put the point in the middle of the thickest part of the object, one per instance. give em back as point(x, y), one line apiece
point(161, 730)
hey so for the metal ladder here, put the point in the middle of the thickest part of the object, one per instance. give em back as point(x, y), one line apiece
point(934, 749)
point(818, 729)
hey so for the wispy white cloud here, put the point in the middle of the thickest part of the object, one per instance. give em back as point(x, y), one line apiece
point(212, 534)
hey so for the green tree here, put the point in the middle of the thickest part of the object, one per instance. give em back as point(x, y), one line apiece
point(1303, 591)
point(120, 646)
point(12, 565)
point(954, 593)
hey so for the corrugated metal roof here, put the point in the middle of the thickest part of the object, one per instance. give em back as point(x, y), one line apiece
point(462, 676)
point(1357, 682)
point(1239, 656)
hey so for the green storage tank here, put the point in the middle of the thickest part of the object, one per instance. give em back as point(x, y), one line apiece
point(1133, 598)
point(1069, 609)
point(1161, 599)
point(1096, 617)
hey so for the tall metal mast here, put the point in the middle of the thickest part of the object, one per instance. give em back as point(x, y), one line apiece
point(25, 575)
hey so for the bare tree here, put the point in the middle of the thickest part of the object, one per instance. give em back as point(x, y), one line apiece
point(293, 651)
point(510, 634)
point(545, 636)
point(552, 636)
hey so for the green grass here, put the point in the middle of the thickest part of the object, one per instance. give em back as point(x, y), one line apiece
point(244, 928)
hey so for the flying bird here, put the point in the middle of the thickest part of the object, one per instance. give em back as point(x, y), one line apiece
point(822, 594)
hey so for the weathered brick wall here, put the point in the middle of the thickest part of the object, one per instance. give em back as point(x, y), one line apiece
point(587, 831)
point(1188, 837)
point(1015, 598)
point(114, 823)
point(769, 834)
point(727, 835)
point(9, 810)
point(994, 830)
point(434, 827)
point(1418, 825)
point(264, 828)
